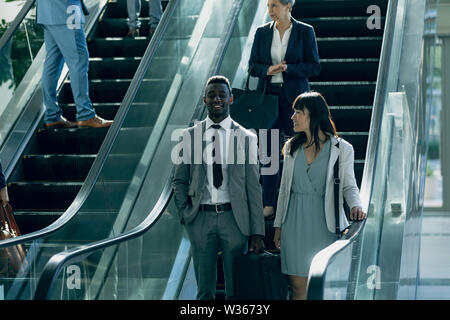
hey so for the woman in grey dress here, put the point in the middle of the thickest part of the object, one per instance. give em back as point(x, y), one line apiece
point(305, 221)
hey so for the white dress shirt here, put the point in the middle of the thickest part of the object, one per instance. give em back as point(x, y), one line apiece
point(213, 195)
point(278, 50)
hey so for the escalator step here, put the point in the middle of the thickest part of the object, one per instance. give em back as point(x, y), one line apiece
point(101, 90)
point(333, 8)
point(57, 167)
point(113, 68)
point(105, 110)
point(359, 142)
point(349, 47)
point(70, 141)
point(346, 93)
point(351, 118)
point(347, 70)
point(46, 196)
point(118, 27)
point(118, 9)
point(30, 221)
point(117, 47)
point(344, 27)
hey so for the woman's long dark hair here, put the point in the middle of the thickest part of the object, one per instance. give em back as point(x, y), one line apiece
point(320, 118)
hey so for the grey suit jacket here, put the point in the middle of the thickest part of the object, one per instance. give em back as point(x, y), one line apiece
point(243, 176)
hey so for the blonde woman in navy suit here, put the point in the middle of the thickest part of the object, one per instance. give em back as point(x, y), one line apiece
point(305, 217)
point(284, 54)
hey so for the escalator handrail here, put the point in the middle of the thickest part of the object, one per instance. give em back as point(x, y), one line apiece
point(62, 259)
point(321, 261)
point(16, 23)
point(58, 261)
point(106, 146)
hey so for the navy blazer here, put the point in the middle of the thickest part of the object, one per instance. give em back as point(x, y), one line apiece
point(302, 57)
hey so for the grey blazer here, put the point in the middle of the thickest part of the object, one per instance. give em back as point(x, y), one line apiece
point(243, 176)
point(348, 188)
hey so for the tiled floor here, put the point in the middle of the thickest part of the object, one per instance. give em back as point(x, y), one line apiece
point(435, 258)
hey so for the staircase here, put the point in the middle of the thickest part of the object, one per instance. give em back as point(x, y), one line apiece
point(56, 161)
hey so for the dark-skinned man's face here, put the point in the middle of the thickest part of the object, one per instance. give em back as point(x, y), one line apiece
point(218, 100)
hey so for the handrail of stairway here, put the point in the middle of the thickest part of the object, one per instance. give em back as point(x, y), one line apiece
point(16, 23)
point(320, 262)
point(60, 260)
point(106, 146)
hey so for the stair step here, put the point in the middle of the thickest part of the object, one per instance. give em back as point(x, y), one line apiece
point(359, 142)
point(70, 141)
point(346, 93)
point(100, 90)
point(347, 70)
point(32, 220)
point(57, 167)
point(42, 195)
point(118, 9)
point(351, 118)
point(113, 68)
point(103, 109)
point(335, 8)
point(144, 114)
point(344, 26)
point(118, 27)
point(118, 47)
point(349, 47)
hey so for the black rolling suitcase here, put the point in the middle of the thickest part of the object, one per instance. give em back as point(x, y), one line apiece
point(257, 276)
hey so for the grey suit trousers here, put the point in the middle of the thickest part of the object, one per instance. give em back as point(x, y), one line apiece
point(211, 232)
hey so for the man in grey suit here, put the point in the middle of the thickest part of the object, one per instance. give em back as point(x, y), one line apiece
point(217, 190)
point(65, 41)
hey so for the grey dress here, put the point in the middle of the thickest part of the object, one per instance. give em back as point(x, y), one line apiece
point(304, 232)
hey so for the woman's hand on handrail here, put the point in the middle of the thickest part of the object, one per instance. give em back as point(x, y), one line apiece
point(357, 213)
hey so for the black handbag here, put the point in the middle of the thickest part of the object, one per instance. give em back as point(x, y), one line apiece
point(253, 109)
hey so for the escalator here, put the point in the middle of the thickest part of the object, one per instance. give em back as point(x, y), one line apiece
point(146, 255)
point(161, 244)
point(56, 161)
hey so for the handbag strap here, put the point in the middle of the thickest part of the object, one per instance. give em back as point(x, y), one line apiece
point(336, 184)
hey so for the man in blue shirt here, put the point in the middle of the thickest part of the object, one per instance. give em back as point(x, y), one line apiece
point(65, 41)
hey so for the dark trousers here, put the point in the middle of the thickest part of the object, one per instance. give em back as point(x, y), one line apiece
point(284, 125)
